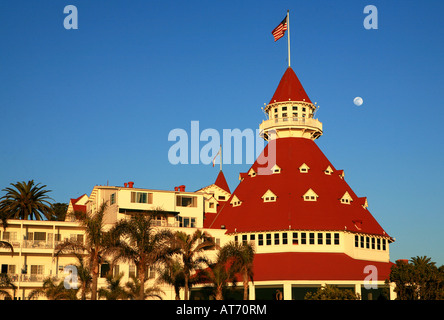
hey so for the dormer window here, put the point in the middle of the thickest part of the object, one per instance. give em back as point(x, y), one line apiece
point(310, 195)
point(346, 198)
point(235, 202)
point(276, 169)
point(304, 168)
point(269, 196)
point(328, 171)
point(341, 173)
point(363, 202)
point(252, 173)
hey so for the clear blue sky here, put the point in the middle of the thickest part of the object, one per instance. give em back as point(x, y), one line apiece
point(95, 105)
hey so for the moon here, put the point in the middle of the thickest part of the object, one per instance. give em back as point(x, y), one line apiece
point(358, 101)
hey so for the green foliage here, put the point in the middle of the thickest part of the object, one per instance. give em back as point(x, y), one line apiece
point(25, 200)
point(418, 280)
point(189, 247)
point(145, 246)
point(243, 257)
point(330, 292)
point(58, 211)
point(53, 291)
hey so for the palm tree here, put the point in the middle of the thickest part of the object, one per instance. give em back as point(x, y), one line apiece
point(243, 254)
point(189, 247)
point(83, 275)
point(134, 287)
point(114, 290)
point(220, 273)
point(98, 243)
point(7, 245)
point(26, 201)
point(53, 291)
point(172, 274)
point(5, 284)
point(145, 245)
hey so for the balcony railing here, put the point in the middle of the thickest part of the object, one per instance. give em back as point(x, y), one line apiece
point(15, 277)
point(33, 244)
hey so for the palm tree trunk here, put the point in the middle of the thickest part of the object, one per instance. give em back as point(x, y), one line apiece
point(95, 277)
point(141, 273)
point(219, 295)
point(177, 291)
point(186, 286)
point(245, 286)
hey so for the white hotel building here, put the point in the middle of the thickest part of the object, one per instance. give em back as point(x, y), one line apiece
point(308, 226)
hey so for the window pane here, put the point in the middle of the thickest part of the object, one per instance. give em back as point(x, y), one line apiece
point(336, 238)
point(268, 235)
point(303, 238)
point(284, 238)
point(312, 238)
point(320, 238)
point(276, 238)
point(328, 238)
point(295, 238)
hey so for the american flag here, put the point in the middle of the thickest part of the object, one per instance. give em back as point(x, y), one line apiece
point(279, 31)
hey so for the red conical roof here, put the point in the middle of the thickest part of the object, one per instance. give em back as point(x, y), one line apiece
point(221, 182)
point(290, 211)
point(290, 88)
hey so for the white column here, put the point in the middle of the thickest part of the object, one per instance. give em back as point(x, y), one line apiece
point(251, 291)
point(358, 289)
point(287, 291)
point(393, 294)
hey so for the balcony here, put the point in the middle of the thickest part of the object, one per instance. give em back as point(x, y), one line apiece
point(293, 124)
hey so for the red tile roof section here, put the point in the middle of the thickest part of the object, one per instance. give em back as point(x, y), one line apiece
point(221, 182)
point(314, 266)
point(78, 207)
point(290, 88)
point(290, 211)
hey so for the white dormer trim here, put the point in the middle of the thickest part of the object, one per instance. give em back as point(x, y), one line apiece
point(235, 202)
point(346, 198)
point(310, 195)
point(328, 171)
point(304, 168)
point(275, 169)
point(252, 173)
point(269, 196)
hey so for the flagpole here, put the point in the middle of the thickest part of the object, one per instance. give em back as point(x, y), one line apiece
point(288, 35)
point(220, 157)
